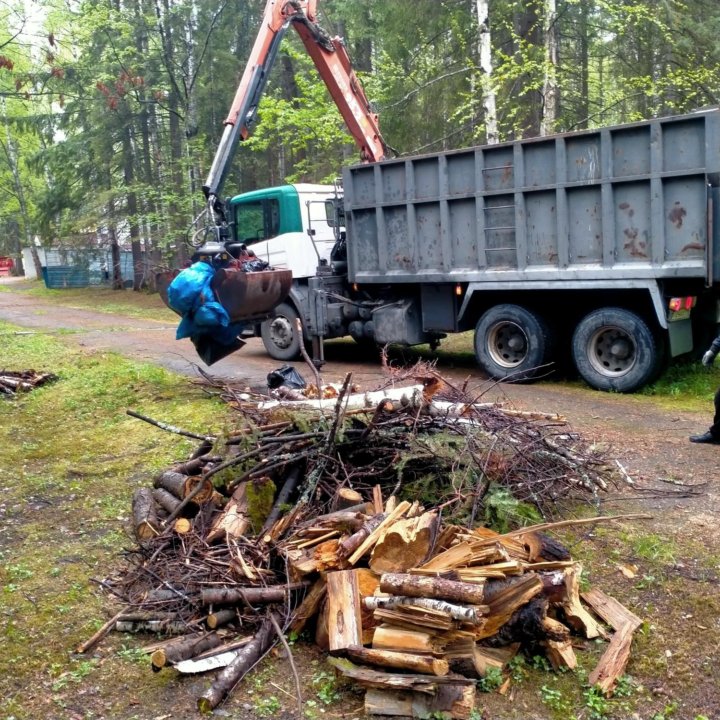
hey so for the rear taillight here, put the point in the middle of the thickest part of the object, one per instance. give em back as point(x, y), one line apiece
point(682, 303)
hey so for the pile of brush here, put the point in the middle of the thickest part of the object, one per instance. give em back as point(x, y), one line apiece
point(360, 523)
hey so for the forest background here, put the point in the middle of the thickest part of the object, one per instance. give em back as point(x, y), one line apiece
point(111, 110)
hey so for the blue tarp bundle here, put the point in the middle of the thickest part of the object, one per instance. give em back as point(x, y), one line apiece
point(191, 295)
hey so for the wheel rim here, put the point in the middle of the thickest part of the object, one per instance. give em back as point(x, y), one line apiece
point(507, 344)
point(611, 351)
point(281, 333)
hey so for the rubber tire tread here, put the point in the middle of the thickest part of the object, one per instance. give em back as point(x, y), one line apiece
point(292, 351)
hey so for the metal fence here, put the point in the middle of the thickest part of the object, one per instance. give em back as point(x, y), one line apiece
point(78, 268)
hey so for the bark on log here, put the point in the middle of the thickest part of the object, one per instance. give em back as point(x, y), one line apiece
point(456, 612)
point(352, 543)
point(248, 596)
point(183, 649)
point(288, 488)
point(171, 481)
point(420, 586)
point(220, 617)
point(236, 670)
point(344, 618)
point(144, 510)
point(426, 665)
point(405, 545)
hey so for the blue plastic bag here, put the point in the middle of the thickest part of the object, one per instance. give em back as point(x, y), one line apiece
point(191, 295)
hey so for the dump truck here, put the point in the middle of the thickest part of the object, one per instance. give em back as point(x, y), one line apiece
point(596, 249)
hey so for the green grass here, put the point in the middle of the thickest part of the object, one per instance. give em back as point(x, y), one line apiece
point(71, 460)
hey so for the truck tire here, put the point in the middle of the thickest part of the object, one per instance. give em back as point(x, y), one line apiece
point(279, 336)
point(614, 349)
point(511, 342)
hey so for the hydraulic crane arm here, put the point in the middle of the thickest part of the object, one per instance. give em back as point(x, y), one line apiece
point(333, 64)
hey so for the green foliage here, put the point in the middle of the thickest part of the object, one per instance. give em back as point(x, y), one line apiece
point(596, 703)
point(267, 707)
point(326, 687)
point(503, 512)
point(554, 699)
point(492, 680)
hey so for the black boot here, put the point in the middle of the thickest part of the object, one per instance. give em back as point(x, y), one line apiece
point(707, 437)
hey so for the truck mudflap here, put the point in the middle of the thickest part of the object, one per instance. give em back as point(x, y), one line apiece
point(248, 297)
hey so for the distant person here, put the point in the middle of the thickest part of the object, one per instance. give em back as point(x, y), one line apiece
point(712, 436)
point(105, 272)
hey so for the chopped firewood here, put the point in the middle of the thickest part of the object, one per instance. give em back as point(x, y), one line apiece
point(145, 514)
point(406, 544)
point(173, 482)
point(432, 587)
point(469, 658)
point(503, 603)
point(402, 661)
point(322, 632)
point(367, 677)
point(560, 653)
point(234, 520)
point(344, 616)
point(182, 526)
point(387, 637)
point(352, 543)
point(611, 665)
point(378, 503)
point(368, 585)
point(610, 610)
point(378, 532)
point(456, 612)
point(575, 614)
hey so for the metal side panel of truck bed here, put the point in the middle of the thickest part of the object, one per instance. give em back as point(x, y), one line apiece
point(625, 202)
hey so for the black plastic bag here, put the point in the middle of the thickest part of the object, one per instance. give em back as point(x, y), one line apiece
point(287, 376)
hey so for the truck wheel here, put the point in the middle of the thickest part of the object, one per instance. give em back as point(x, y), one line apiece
point(614, 349)
point(512, 342)
point(279, 335)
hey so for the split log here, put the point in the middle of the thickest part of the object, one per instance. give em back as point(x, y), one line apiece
point(322, 634)
point(560, 654)
point(145, 517)
point(233, 521)
point(184, 649)
point(423, 664)
point(405, 545)
point(432, 587)
point(231, 675)
point(367, 677)
point(611, 665)
point(368, 585)
point(309, 606)
point(247, 596)
point(472, 660)
point(415, 618)
point(387, 637)
point(614, 613)
point(454, 701)
point(344, 619)
point(456, 612)
point(575, 614)
point(378, 532)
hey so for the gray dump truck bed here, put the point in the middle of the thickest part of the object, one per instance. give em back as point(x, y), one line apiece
point(627, 202)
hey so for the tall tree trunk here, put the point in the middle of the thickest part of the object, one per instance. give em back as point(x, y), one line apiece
point(132, 208)
point(486, 71)
point(584, 42)
point(551, 92)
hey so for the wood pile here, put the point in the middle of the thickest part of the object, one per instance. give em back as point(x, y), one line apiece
point(298, 523)
point(13, 382)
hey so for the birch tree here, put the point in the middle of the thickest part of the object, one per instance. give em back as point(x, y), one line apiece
point(486, 71)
